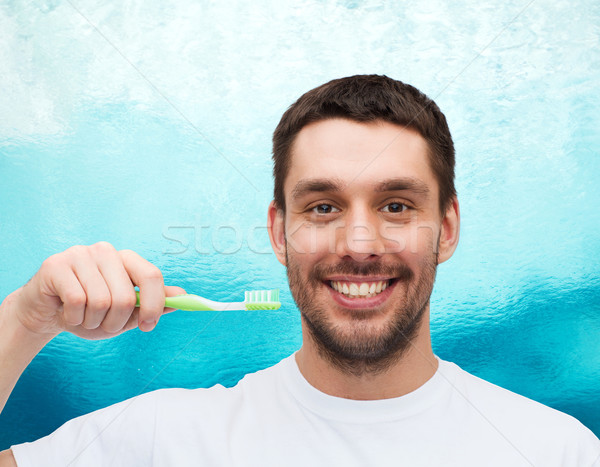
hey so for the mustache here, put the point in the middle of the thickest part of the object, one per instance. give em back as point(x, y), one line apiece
point(352, 268)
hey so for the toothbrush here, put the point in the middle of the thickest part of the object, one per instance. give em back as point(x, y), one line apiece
point(254, 300)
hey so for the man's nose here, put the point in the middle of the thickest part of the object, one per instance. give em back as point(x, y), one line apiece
point(360, 237)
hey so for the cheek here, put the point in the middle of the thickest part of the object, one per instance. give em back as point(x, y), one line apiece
point(410, 240)
point(309, 239)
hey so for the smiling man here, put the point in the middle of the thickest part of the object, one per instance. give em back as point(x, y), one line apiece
point(366, 229)
point(364, 211)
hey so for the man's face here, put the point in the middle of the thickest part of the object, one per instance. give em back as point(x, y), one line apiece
point(361, 235)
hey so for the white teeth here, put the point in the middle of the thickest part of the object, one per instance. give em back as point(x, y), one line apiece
point(363, 289)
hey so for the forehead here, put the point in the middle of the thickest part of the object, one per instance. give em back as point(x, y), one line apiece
point(359, 154)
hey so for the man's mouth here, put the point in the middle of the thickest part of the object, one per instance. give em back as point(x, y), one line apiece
point(360, 289)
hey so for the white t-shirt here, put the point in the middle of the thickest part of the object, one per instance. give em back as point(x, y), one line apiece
point(276, 418)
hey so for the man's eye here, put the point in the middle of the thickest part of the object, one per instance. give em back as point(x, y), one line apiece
point(395, 207)
point(324, 209)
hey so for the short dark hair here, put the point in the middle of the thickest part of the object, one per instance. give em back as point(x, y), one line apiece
point(368, 98)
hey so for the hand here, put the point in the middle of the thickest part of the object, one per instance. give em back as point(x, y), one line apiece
point(89, 291)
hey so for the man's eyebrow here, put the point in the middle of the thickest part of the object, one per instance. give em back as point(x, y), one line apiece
point(319, 185)
point(404, 184)
point(303, 187)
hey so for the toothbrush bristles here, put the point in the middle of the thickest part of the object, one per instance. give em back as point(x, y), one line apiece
point(262, 299)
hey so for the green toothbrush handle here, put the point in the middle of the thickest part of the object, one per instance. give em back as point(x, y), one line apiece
point(186, 302)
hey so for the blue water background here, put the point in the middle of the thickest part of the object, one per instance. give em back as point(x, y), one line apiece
point(148, 125)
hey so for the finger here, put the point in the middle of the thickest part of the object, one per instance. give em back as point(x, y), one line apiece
point(73, 297)
point(171, 291)
point(98, 298)
point(132, 322)
point(94, 334)
point(119, 284)
point(64, 284)
point(152, 288)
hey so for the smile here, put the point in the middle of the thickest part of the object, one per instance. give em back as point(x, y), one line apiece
point(366, 289)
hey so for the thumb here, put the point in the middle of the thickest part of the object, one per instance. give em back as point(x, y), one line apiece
point(170, 291)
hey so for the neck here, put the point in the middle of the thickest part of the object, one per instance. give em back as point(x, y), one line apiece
point(407, 373)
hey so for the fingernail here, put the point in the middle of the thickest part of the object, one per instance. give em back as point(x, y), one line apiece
point(147, 325)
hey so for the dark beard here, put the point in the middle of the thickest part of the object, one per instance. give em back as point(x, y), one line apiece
point(358, 354)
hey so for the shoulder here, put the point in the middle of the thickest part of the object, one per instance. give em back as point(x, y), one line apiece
point(506, 404)
point(257, 385)
point(518, 419)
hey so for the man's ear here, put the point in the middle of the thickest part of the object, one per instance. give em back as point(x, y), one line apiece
point(276, 227)
point(450, 231)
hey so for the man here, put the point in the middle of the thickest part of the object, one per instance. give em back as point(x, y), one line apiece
point(364, 211)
